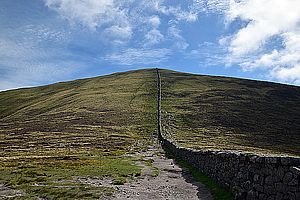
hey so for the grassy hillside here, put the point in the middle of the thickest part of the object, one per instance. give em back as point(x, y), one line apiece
point(51, 136)
point(206, 112)
point(56, 139)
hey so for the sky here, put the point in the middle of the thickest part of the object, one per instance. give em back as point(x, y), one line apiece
point(47, 41)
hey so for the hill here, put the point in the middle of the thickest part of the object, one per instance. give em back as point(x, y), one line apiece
point(81, 128)
point(220, 113)
point(90, 113)
point(53, 136)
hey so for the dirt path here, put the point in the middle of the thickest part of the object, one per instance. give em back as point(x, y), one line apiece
point(161, 179)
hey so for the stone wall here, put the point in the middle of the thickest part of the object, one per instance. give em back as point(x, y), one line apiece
point(247, 176)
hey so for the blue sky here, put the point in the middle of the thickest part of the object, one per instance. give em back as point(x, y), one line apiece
point(46, 41)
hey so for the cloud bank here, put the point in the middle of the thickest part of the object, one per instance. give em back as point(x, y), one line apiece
point(266, 21)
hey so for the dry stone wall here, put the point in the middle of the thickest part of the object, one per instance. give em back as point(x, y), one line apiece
point(247, 176)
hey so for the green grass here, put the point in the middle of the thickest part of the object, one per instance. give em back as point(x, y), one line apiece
point(53, 135)
point(219, 113)
point(155, 170)
point(45, 177)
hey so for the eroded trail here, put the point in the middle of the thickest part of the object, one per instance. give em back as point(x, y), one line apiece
point(161, 178)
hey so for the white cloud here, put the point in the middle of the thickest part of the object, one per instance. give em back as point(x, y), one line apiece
point(153, 37)
point(108, 15)
point(179, 13)
point(117, 17)
point(92, 13)
point(208, 54)
point(176, 11)
point(290, 75)
point(24, 63)
point(154, 21)
point(179, 41)
point(266, 20)
point(133, 56)
point(283, 64)
point(117, 35)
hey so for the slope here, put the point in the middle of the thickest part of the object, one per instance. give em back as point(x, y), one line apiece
point(207, 112)
point(55, 134)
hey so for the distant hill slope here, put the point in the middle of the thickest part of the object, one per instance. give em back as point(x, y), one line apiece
point(113, 112)
point(207, 112)
point(116, 113)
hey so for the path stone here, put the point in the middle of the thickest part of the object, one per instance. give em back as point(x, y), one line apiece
point(6, 192)
point(172, 183)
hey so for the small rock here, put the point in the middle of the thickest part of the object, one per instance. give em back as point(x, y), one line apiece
point(269, 180)
point(287, 177)
point(279, 196)
point(295, 170)
point(293, 182)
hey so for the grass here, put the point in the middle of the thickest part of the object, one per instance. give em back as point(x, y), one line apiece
point(219, 113)
point(217, 191)
point(53, 135)
point(154, 170)
point(46, 177)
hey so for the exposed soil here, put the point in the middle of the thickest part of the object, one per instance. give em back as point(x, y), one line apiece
point(172, 182)
point(6, 192)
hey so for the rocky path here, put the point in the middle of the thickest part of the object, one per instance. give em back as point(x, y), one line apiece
point(161, 179)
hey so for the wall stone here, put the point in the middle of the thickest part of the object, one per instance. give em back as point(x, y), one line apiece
point(247, 176)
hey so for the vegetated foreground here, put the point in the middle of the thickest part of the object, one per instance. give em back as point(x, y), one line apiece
point(52, 138)
point(219, 113)
point(67, 140)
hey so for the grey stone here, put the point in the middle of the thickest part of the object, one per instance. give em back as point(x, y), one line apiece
point(271, 160)
point(251, 169)
point(272, 197)
point(280, 173)
point(258, 188)
point(253, 159)
point(269, 190)
point(269, 180)
point(256, 178)
point(251, 195)
point(262, 196)
point(293, 182)
point(280, 187)
point(279, 196)
point(249, 176)
point(295, 170)
point(266, 171)
point(247, 185)
point(295, 161)
point(292, 196)
point(240, 175)
point(292, 189)
point(260, 160)
point(241, 196)
point(285, 160)
point(287, 177)
point(297, 195)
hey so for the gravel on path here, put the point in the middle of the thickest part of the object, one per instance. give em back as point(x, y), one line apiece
point(172, 182)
